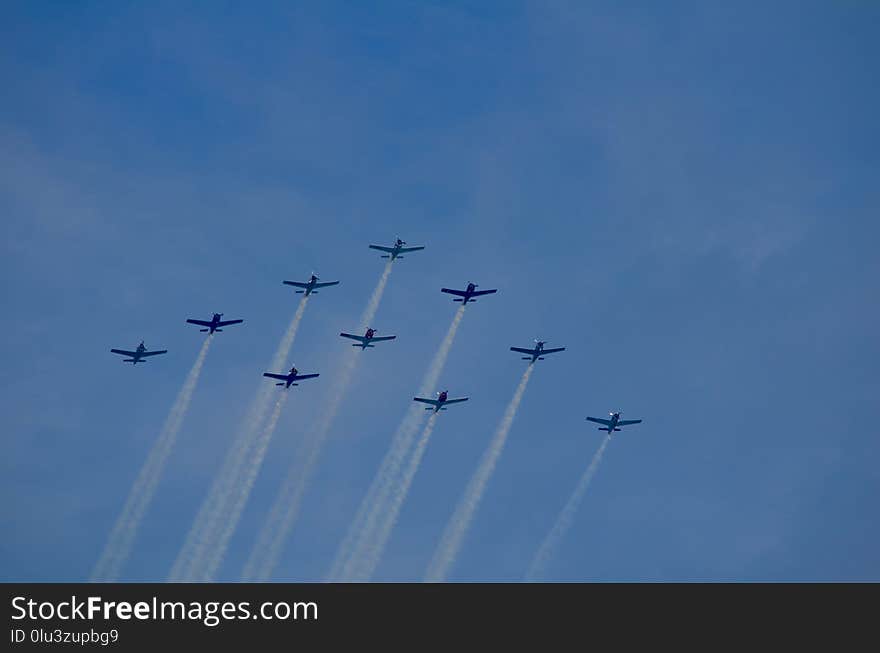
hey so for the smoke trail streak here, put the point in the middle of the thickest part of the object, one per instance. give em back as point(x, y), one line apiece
point(373, 548)
point(377, 495)
point(276, 530)
point(203, 532)
point(373, 305)
point(242, 492)
point(566, 517)
point(122, 537)
point(453, 534)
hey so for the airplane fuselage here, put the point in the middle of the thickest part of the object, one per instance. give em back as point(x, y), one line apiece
point(615, 418)
point(539, 349)
point(138, 354)
point(214, 323)
point(469, 293)
point(395, 251)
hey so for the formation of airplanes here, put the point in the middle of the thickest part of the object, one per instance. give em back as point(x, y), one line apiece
point(533, 354)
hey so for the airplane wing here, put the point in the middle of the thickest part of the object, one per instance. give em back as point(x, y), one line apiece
point(522, 350)
point(433, 402)
point(280, 377)
point(300, 377)
point(477, 293)
point(625, 422)
point(455, 401)
point(324, 285)
point(203, 323)
point(404, 250)
point(552, 351)
point(460, 293)
point(154, 353)
point(382, 338)
point(606, 422)
point(298, 284)
point(390, 250)
point(123, 352)
point(353, 337)
point(228, 322)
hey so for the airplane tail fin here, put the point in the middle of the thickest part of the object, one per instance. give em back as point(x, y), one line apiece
point(218, 330)
point(203, 330)
point(279, 384)
point(385, 256)
point(540, 358)
point(616, 429)
point(299, 292)
point(458, 300)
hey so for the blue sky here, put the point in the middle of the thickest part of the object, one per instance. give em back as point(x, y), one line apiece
point(686, 198)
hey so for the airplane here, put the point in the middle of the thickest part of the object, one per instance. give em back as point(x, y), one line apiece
point(468, 294)
point(440, 402)
point(398, 249)
point(139, 355)
point(536, 354)
point(614, 423)
point(214, 324)
point(289, 378)
point(311, 285)
point(365, 340)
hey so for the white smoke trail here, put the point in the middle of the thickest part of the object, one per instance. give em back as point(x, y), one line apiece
point(242, 492)
point(455, 530)
point(372, 552)
point(373, 503)
point(270, 542)
point(122, 537)
point(373, 305)
point(566, 517)
point(208, 522)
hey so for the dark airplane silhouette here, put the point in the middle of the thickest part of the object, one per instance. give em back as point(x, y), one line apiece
point(214, 324)
point(467, 295)
point(139, 355)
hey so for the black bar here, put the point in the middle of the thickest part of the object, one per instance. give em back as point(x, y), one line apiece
point(418, 616)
